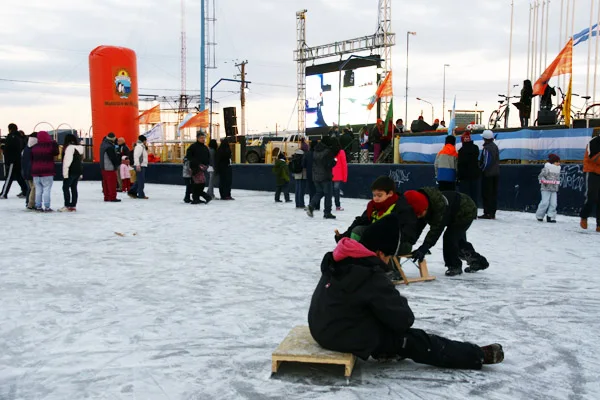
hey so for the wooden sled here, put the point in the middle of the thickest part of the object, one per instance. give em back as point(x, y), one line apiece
point(299, 346)
point(422, 266)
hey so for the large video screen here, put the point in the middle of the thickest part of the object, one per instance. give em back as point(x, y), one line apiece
point(358, 85)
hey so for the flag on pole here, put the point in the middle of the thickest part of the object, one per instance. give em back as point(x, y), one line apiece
point(199, 120)
point(585, 34)
point(155, 134)
point(566, 111)
point(389, 118)
point(452, 123)
point(562, 64)
point(384, 90)
point(151, 116)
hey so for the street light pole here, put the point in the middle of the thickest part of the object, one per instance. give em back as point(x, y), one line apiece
point(406, 94)
point(341, 68)
point(432, 111)
point(444, 99)
point(210, 126)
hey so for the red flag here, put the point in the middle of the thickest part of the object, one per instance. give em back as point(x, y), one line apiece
point(199, 120)
point(384, 90)
point(562, 64)
point(151, 116)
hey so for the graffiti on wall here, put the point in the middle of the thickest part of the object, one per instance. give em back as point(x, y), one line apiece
point(572, 177)
point(399, 176)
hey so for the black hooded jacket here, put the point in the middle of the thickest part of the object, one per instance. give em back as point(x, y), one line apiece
point(198, 155)
point(468, 162)
point(356, 309)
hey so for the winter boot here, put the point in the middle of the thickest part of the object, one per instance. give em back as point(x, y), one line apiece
point(493, 354)
point(477, 263)
point(485, 216)
point(552, 221)
point(329, 216)
point(453, 271)
point(310, 211)
point(583, 223)
point(541, 219)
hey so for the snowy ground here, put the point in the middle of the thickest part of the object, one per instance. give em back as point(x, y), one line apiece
point(193, 300)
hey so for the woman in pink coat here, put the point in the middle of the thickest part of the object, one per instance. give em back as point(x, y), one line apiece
point(340, 174)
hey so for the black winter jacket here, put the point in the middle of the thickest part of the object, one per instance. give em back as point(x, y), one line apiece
point(323, 162)
point(445, 209)
point(198, 155)
point(13, 146)
point(409, 233)
point(356, 309)
point(468, 162)
point(223, 159)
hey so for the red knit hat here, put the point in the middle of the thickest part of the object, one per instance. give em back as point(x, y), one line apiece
point(417, 200)
point(465, 137)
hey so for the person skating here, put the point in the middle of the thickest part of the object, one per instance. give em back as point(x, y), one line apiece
point(199, 158)
point(469, 173)
point(446, 164)
point(490, 167)
point(12, 148)
point(356, 309)
point(591, 168)
point(386, 201)
point(450, 211)
point(323, 163)
point(282, 179)
point(72, 170)
point(109, 163)
point(140, 164)
point(550, 182)
point(42, 170)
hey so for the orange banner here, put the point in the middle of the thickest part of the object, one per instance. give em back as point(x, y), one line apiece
point(563, 64)
point(200, 120)
point(384, 90)
point(151, 116)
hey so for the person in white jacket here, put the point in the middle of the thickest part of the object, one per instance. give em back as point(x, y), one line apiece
point(72, 170)
point(549, 184)
point(140, 163)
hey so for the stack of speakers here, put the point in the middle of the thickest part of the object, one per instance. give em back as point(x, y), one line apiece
point(229, 114)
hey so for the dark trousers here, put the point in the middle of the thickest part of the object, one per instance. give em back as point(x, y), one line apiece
point(188, 189)
point(524, 122)
point(12, 171)
point(323, 189)
point(70, 191)
point(337, 191)
point(447, 186)
point(456, 246)
point(109, 185)
point(225, 182)
point(198, 191)
point(592, 196)
point(424, 348)
point(299, 192)
point(311, 189)
point(285, 188)
point(140, 182)
point(470, 187)
point(489, 194)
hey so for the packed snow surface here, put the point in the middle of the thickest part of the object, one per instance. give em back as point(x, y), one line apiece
point(190, 301)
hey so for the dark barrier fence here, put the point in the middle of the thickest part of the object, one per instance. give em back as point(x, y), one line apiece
point(519, 187)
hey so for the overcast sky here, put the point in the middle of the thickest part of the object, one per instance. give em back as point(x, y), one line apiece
point(49, 42)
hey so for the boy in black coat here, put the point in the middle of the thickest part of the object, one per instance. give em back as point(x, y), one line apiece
point(356, 309)
point(386, 201)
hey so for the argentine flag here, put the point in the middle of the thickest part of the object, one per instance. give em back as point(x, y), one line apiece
point(452, 123)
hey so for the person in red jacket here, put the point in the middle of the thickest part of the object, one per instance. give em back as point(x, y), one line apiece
point(591, 167)
point(43, 170)
point(340, 175)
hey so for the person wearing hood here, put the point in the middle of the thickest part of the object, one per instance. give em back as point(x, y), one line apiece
point(450, 211)
point(43, 170)
point(198, 156)
point(298, 171)
point(323, 163)
point(489, 163)
point(72, 170)
point(446, 164)
point(26, 171)
point(109, 163)
point(356, 309)
point(468, 167)
point(140, 164)
point(591, 168)
point(549, 180)
point(12, 147)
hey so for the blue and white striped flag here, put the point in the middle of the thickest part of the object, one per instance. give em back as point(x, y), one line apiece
point(585, 35)
point(452, 123)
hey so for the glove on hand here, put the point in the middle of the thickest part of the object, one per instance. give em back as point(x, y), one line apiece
point(419, 254)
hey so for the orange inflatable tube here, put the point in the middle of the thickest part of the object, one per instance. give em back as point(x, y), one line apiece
point(114, 94)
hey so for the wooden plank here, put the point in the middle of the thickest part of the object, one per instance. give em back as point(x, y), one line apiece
point(400, 270)
point(299, 346)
